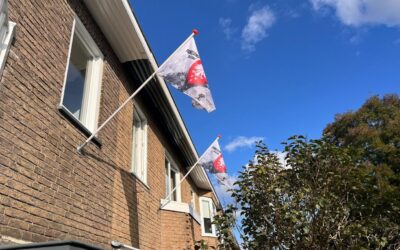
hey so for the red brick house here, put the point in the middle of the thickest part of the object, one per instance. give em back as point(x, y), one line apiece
point(66, 65)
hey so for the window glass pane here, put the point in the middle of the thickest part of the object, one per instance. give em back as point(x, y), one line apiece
point(166, 178)
point(207, 216)
point(3, 20)
point(205, 206)
point(171, 178)
point(207, 225)
point(75, 84)
point(173, 184)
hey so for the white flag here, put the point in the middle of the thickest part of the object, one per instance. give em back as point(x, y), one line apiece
point(212, 160)
point(186, 73)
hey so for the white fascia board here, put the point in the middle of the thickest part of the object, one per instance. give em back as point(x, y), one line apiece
point(165, 89)
point(160, 80)
point(144, 52)
point(164, 86)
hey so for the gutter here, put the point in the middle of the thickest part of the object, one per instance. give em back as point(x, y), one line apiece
point(161, 82)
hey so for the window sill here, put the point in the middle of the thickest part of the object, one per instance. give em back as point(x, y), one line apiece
point(181, 208)
point(78, 124)
point(208, 235)
point(140, 181)
point(5, 47)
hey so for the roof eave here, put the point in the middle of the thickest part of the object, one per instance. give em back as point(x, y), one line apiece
point(122, 30)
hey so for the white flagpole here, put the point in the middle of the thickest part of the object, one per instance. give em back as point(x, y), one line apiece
point(186, 175)
point(194, 33)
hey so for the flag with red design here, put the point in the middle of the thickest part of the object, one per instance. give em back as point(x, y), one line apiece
point(185, 72)
point(212, 160)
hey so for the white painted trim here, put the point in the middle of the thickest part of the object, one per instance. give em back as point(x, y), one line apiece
point(175, 206)
point(192, 198)
point(180, 207)
point(71, 39)
point(88, 42)
point(177, 176)
point(213, 228)
point(194, 214)
point(6, 45)
point(140, 180)
point(93, 79)
point(92, 93)
point(143, 158)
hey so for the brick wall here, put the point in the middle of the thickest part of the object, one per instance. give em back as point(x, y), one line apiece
point(47, 190)
point(180, 230)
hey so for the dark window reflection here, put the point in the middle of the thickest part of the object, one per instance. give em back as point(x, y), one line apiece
point(75, 84)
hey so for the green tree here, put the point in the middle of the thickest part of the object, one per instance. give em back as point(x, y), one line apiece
point(338, 192)
point(372, 135)
point(225, 222)
point(322, 199)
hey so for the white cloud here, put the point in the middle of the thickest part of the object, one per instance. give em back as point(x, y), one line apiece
point(223, 186)
point(281, 157)
point(225, 183)
point(259, 22)
point(226, 26)
point(242, 142)
point(363, 12)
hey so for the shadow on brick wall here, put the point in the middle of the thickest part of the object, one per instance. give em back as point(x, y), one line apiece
point(125, 223)
point(130, 191)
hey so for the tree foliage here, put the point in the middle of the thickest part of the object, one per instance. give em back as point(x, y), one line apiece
point(372, 133)
point(338, 192)
point(225, 222)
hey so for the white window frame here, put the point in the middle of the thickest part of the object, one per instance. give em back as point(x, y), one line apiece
point(213, 211)
point(172, 165)
point(139, 145)
point(193, 199)
point(93, 78)
point(7, 32)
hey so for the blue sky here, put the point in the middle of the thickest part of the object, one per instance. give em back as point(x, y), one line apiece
point(280, 67)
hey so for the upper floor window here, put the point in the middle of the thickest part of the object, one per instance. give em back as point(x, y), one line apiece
point(7, 30)
point(139, 145)
point(207, 213)
point(172, 179)
point(81, 92)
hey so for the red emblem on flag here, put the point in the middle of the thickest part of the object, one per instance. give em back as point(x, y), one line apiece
point(196, 75)
point(219, 164)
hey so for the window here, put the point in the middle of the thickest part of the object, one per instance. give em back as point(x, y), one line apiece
point(207, 212)
point(193, 199)
point(7, 30)
point(172, 179)
point(139, 145)
point(81, 93)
